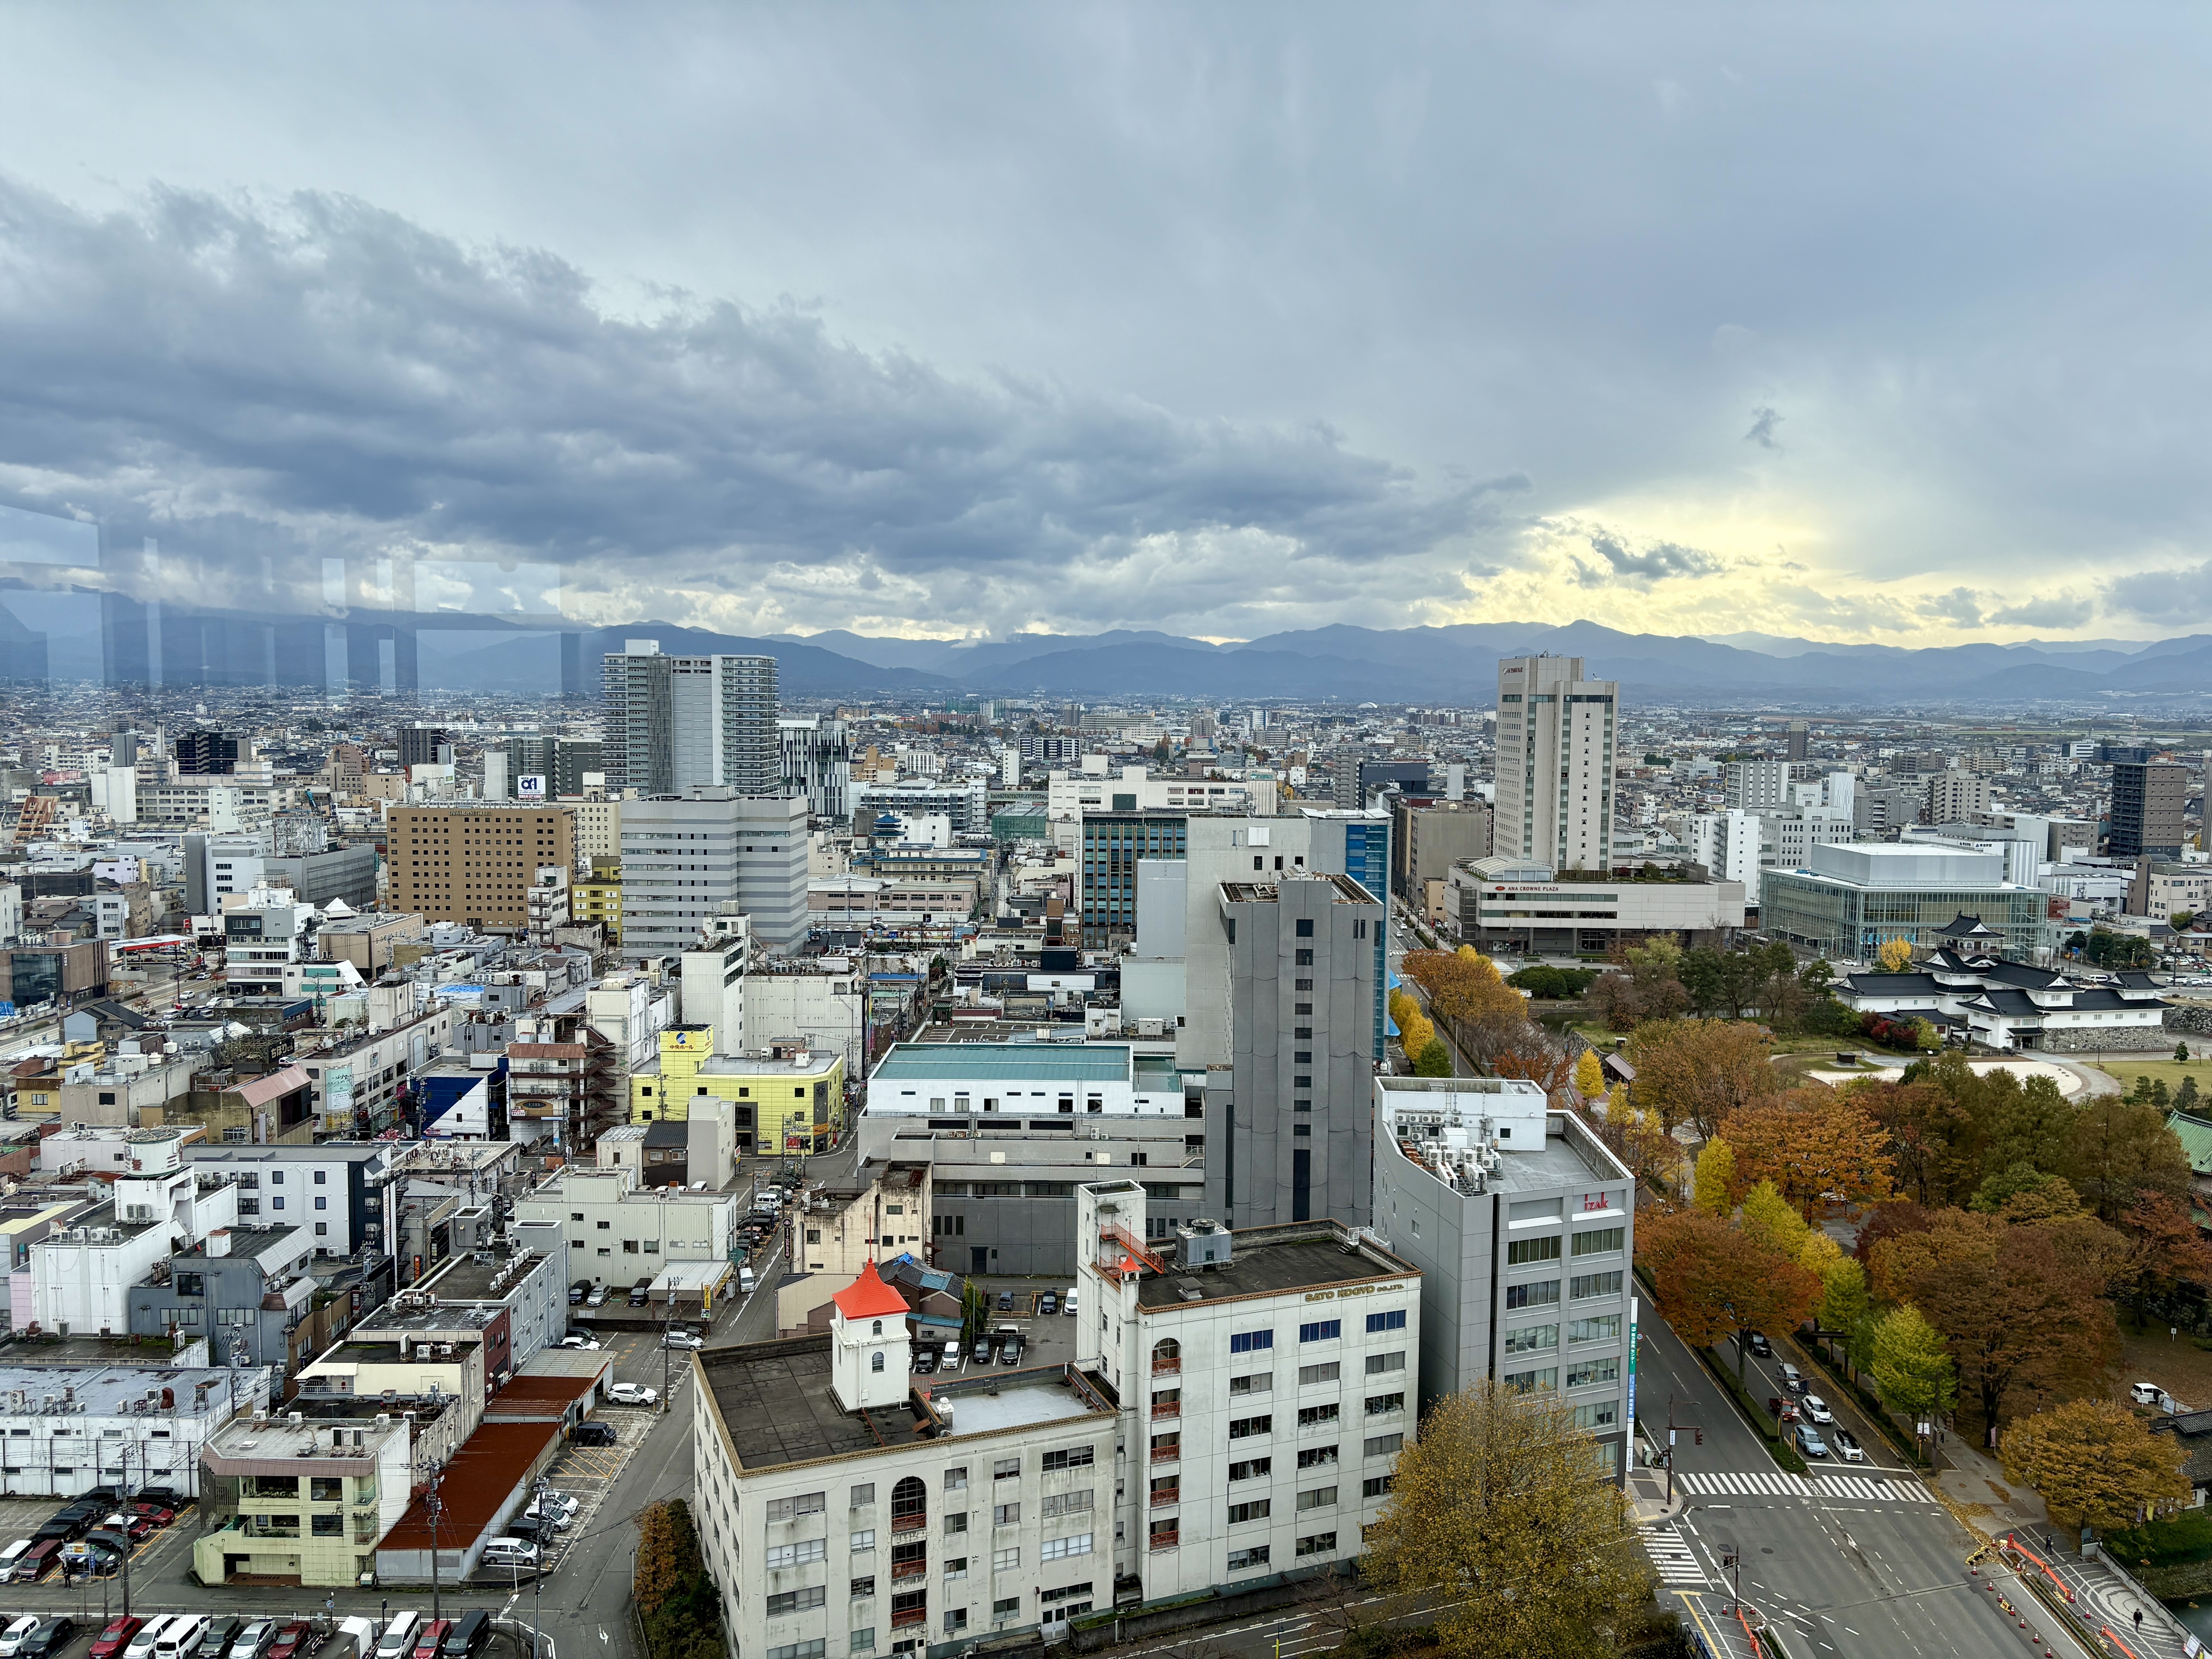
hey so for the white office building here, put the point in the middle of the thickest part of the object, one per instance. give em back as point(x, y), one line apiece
point(1233, 1415)
point(689, 860)
point(1555, 755)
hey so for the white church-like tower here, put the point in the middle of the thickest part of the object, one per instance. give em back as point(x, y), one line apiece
point(869, 1349)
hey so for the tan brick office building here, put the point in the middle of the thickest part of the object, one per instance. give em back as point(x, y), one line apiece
point(473, 864)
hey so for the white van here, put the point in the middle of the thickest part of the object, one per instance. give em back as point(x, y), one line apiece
point(398, 1641)
point(745, 1281)
point(142, 1645)
point(1068, 1306)
point(510, 1553)
point(181, 1639)
point(12, 1554)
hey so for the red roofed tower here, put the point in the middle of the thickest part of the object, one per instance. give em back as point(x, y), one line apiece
point(869, 1349)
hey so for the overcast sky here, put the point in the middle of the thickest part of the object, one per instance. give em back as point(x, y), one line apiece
point(1856, 323)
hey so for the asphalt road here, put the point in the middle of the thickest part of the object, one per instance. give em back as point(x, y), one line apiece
point(1843, 1565)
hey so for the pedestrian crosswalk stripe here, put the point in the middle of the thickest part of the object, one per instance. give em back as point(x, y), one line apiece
point(1863, 1488)
point(1738, 1484)
point(1869, 1487)
point(1672, 1558)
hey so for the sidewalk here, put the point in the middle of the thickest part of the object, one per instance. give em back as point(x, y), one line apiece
point(2101, 1595)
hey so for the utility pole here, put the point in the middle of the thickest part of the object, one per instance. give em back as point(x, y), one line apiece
point(537, 1582)
point(436, 1509)
point(1672, 1428)
point(1732, 1560)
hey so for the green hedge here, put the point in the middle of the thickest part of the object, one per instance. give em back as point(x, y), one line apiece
point(2186, 1537)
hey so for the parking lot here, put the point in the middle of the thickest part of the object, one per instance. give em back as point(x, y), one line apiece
point(1046, 1338)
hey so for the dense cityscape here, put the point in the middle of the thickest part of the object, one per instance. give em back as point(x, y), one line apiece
point(1238, 832)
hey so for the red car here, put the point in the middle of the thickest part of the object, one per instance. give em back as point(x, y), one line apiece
point(291, 1641)
point(117, 1637)
point(136, 1526)
point(426, 1645)
point(159, 1514)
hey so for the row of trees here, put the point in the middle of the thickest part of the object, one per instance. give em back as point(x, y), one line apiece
point(1659, 980)
point(678, 1602)
point(2004, 1227)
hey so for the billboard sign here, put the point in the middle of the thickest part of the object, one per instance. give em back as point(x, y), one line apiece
point(531, 786)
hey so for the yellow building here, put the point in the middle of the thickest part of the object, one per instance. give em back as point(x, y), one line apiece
point(788, 1098)
point(598, 897)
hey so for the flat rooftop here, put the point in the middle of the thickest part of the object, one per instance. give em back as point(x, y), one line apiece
point(1043, 1062)
point(464, 1279)
point(247, 1242)
point(775, 1404)
point(1270, 1261)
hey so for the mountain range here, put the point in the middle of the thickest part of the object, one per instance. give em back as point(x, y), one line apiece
point(1450, 665)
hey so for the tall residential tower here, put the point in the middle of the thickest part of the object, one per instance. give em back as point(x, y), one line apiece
point(1555, 752)
point(672, 722)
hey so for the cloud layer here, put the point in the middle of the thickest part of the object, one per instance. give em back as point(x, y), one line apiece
point(1886, 324)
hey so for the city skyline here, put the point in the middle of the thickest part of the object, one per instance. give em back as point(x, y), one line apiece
point(1224, 325)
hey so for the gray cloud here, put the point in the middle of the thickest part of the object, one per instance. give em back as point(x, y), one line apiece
point(2051, 610)
point(329, 375)
point(1648, 562)
point(2161, 596)
point(1960, 606)
point(1764, 420)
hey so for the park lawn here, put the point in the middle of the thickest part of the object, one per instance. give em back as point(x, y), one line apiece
point(2164, 1066)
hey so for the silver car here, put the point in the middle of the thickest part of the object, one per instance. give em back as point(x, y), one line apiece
point(1817, 1409)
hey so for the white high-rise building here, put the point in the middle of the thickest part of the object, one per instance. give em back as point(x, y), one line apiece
point(1727, 844)
point(689, 860)
point(1756, 786)
point(672, 722)
point(1555, 755)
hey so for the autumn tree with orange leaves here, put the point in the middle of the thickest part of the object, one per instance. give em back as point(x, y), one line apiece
point(1712, 1281)
point(1813, 1143)
point(1701, 1070)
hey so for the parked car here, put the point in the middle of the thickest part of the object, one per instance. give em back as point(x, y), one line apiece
point(255, 1640)
point(137, 1527)
point(221, 1634)
point(598, 1298)
point(1847, 1446)
point(980, 1353)
point(1010, 1351)
point(398, 1641)
point(19, 1632)
point(37, 1561)
point(85, 1559)
point(114, 1637)
point(1817, 1409)
point(182, 1638)
point(575, 1340)
point(159, 1514)
point(1809, 1441)
point(167, 1496)
point(295, 1641)
point(579, 1291)
point(633, 1394)
point(468, 1636)
point(432, 1639)
point(1048, 1304)
point(682, 1340)
point(562, 1516)
point(2149, 1394)
point(1005, 1302)
point(594, 1434)
point(1756, 1341)
point(510, 1553)
point(1792, 1378)
point(925, 1361)
point(951, 1354)
point(641, 1294)
point(51, 1636)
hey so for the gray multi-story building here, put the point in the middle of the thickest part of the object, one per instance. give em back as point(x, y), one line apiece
point(1290, 1120)
point(1524, 1227)
point(675, 722)
point(2149, 799)
point(1885, 810)
point(1011, 1128)
point(689, 860)
point(818, 762)
point(246, 1301)
point(1756, 785)
point(337, 1192)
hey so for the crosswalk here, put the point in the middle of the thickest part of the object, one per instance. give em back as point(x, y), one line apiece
point(1863, 1488)
point(1672, 1558)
